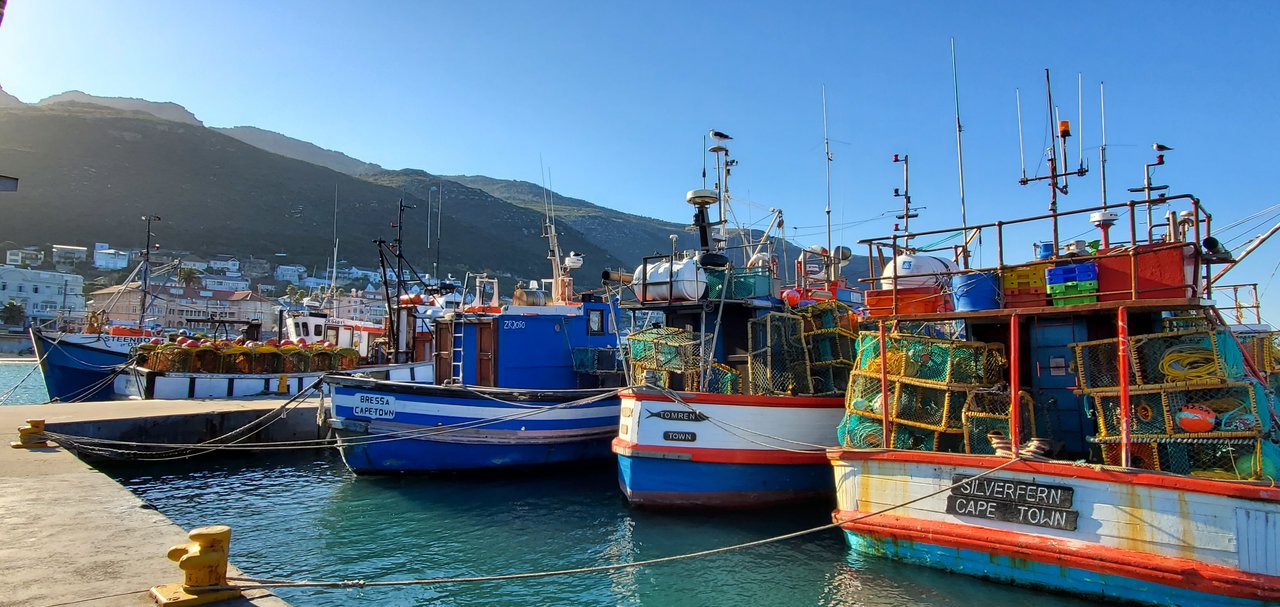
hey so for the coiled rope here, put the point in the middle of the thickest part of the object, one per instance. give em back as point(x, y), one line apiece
point(260, 583)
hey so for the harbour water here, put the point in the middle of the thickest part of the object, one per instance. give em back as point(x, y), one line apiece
point(304, 516)
point(20, 382)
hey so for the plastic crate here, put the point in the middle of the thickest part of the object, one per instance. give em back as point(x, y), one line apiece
point(1025, 298)
point(1023, 277)
point(1083, 287)
point(750, 282)
point(914, 300)
point(1076, 272)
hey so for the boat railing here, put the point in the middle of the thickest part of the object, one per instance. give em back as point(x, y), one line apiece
point(1184, 230)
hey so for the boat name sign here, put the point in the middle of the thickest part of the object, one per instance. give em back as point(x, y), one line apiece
point(375, 405)
point(1013, 501)
point(678, 416)
point(683, 437)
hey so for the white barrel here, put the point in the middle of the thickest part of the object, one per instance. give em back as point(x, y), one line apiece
point(910, 268)
point(686, 282)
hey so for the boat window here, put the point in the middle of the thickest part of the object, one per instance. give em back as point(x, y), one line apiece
point(331, 335)
point(595, 322)
point(302, 328)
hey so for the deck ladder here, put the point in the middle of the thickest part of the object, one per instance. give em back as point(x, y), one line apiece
point(456, 359)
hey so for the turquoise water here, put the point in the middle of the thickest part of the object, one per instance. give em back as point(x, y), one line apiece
point(19, 384)
point(306, 517)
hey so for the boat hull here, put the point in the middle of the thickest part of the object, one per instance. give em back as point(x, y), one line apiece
point(80, 366)
point(697, 450)
point(1106, 534)
point(139, 383)
point(389, 427)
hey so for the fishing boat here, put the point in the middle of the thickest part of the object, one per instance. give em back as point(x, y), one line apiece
point(530, 383)
point(1085, 422)
point(735, 393)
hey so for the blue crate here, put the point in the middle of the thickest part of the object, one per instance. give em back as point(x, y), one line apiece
point(1077, 272)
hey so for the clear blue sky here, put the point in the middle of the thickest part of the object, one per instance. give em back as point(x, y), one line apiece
point(616, 97)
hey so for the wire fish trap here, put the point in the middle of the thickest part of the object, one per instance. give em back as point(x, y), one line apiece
point(988, 411)
point(667, 349)
point(943, 363)
point(1187, 357)
point(777, 359)
point(719, 379)
point(1218, 412)
point(1263, 349)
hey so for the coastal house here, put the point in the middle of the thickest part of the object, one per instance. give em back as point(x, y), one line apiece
point(110, 259)
point(65, 257)
point(225, 282)
point(30, 256)
point(292, 273)
point(42, 294)
point(225, 263)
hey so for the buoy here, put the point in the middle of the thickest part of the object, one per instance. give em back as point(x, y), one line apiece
point(1196, 418)
point(791, 297)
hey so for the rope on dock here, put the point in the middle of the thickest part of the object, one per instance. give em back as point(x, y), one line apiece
point(258, 583)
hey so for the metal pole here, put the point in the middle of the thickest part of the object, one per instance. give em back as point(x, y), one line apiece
point(1015, 416)
point(1122, 334)
point(886, 439)
point(435, 269)
point(1102, 150)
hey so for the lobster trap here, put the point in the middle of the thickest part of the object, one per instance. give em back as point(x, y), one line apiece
point(659, 355)
point(927, 385)
point(987, 411)
point(1184, 358)
point(828, 332)
point(777, 359)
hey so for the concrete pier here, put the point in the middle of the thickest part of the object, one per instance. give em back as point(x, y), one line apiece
point(71, 533)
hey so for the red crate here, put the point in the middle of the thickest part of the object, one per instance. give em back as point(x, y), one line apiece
point(1164, 271)
point(1033, 297)
point(913, 300)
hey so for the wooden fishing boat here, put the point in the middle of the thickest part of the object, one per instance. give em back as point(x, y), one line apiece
point(1102, 431)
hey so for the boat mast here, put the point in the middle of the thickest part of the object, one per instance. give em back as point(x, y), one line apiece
point(333, 274)
point(826, 145)
point(964, 221)
point(146, 271)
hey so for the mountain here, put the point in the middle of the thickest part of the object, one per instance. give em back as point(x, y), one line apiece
point(89, 172)
point(283, 145)
point(7, 100)
point(166, 109)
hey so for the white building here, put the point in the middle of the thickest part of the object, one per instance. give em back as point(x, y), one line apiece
point(226, 263)
point(291, 273)
point(30, 256)
point(220, 282)
point(193, 263)
point(42, 294)
point(110, 259)
point(66, 256)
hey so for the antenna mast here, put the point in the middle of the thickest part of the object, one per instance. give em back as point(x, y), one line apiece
point(826, 145)
point(1102, 150)
point(964, 220)
point(1059, 138)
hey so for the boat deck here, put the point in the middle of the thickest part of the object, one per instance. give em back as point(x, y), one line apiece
point(73, 533)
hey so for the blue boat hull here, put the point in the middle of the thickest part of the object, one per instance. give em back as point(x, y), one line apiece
point(421, 456)
point(658, 482)
point(76, 372)
point(394, 427)
point(1033, 574)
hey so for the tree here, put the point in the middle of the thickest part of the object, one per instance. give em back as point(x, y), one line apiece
point(13, 313)
point(189, 277)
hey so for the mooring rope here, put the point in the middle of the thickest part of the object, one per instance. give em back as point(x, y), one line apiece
point(96, 446)
point(260, 583)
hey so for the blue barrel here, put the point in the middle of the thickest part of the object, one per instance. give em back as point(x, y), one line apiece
point(1044, 250)
point(976, 291)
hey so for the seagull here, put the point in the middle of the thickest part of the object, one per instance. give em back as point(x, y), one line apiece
point(718, 136)
point(1160, 147)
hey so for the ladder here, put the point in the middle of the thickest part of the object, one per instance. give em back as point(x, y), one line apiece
point(456, 354)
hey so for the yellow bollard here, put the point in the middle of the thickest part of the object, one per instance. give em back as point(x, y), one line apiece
point(31, 436)
point(283, 384)
point(204, 564)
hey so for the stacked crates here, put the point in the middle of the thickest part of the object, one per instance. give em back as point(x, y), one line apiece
point(1024, 286)
point(1072, 284)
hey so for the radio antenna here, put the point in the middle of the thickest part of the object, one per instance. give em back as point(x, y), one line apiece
point(1080, 117)
point(1102, 150)
point(964, 220)
point(826, 145)
point(1022, 154)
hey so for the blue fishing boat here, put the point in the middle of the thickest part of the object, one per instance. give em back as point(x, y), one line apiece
point(530, 383)
point(81, 366)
